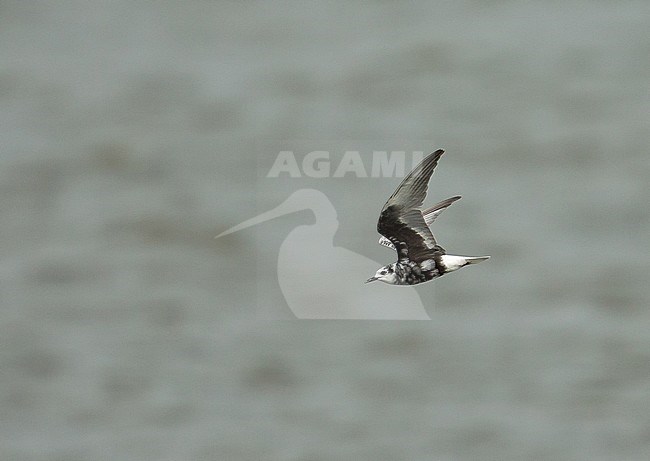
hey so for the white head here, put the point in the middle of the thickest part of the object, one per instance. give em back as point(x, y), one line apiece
point(385, 274)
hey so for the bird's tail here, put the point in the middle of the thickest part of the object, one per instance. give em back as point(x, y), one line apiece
point(475, 259)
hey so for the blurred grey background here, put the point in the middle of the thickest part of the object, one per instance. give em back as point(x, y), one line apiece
point(131, 133)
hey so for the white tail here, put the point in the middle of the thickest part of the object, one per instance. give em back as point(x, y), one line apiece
point(475, 259)
point(455, 262)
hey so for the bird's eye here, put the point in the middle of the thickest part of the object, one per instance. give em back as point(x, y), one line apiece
point(383, 272)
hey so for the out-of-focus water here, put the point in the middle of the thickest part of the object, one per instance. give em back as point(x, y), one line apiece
point(132, 134)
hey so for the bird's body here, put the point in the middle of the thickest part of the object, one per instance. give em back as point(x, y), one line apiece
point(404, 227)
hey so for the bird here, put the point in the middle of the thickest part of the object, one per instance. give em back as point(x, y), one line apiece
point(404, 227)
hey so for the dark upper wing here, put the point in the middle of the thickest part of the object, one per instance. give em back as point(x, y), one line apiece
point(401, 219)
point(430, 214)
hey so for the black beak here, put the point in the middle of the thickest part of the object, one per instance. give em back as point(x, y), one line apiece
point(371, 279)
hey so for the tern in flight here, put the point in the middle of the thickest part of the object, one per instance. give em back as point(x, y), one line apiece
point(404, 227)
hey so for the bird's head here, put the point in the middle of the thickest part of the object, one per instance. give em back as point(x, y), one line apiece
point(385, 274)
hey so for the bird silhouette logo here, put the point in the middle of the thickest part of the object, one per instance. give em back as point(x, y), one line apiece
point(331, 288)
